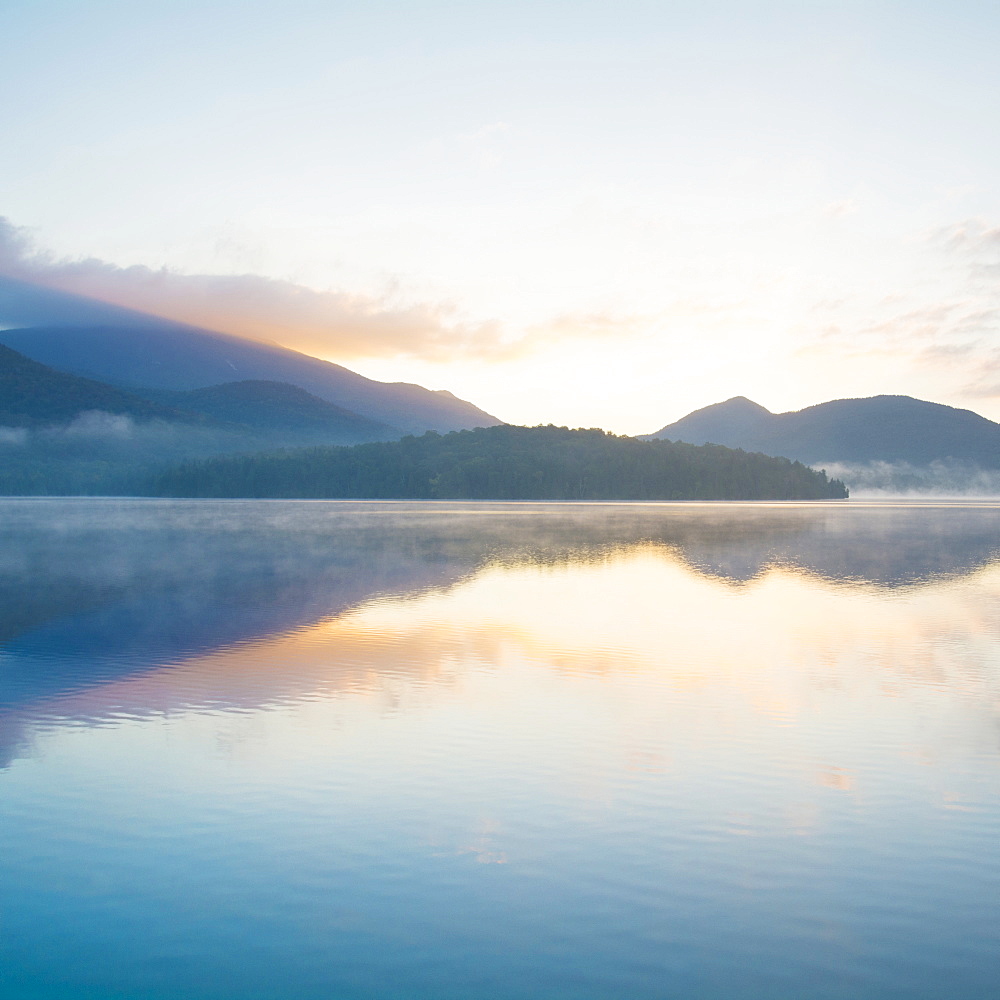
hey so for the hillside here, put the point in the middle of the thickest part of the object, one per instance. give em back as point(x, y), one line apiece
point(875, 429)
point(66, 434)
point(35, 395)
point(506, 463)
point(130, 349)
point(278, 408)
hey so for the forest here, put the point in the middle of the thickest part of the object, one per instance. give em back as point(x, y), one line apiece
point(504, 463)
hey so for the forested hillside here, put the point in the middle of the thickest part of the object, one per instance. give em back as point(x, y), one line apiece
point(32, 395)
point(506, 463)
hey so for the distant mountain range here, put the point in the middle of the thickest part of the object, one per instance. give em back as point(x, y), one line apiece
point(66, 434)
point(883, 429)
point(33, 395)
point(95, 398)
point(136, 351)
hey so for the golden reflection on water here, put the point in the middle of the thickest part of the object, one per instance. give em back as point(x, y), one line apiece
point(735, 739)
point(783, 707)
point(639, 626)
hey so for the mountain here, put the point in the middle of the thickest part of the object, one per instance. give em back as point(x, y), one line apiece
point(34, 395)
point(875, 429)
point(66, 434)
point(506, 463)
point(278, 408)
point(130, 349)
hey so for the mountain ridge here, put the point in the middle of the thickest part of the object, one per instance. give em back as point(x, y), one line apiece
point(275, 406)
point(67, 434)
point(34, 395)
point(883, 428)
point(132, 350)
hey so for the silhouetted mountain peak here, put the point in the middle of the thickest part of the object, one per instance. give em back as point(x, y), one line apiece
point(717, 423)
point(737, 406)
point(885, 428)
point(743, 401)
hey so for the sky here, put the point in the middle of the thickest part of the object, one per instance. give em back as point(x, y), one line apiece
point(584, 213)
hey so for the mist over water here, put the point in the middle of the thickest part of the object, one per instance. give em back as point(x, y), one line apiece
point(350, 749)
point(896, 480)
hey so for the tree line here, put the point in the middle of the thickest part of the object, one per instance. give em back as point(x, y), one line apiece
point(504, 463)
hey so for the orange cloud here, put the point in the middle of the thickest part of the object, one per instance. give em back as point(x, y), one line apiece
point(331, 323)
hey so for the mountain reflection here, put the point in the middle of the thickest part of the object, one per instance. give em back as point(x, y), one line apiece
point(250, 603)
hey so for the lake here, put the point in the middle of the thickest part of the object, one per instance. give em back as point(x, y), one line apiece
point(277, 749)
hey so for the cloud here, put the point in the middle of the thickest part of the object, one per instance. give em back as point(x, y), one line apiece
point(334, 324)
point(950, 343)
point(954, 299)
point(100, 425)
point(923, 323)
point(591, 325)
point(840, 209)
point(13, 436)
point(970, 236)
point(943, 333)
point(96, 425)
point(984, 375)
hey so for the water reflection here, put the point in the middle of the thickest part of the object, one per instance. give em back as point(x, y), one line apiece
point(286, 559)
point(523, 751)
point(250, 603)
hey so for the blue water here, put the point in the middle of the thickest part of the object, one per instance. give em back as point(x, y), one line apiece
point(388, 750)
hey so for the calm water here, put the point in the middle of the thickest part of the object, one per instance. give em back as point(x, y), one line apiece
point(351, 750)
